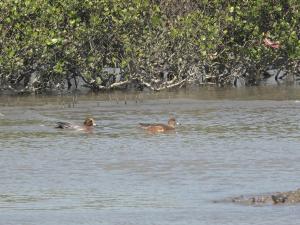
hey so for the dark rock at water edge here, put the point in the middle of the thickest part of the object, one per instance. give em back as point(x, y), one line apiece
point(290, 197)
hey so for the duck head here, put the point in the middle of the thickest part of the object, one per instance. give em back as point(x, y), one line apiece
point(89, 122)
point(172, 122)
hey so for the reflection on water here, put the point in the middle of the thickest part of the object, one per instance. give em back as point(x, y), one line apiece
point(231, 142)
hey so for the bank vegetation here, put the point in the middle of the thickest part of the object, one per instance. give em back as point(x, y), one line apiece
point(115, 44)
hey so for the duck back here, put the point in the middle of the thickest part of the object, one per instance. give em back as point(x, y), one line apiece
point(63, 125)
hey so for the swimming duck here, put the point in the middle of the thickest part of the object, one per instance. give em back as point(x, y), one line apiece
point(158, 128)
point(87, 125)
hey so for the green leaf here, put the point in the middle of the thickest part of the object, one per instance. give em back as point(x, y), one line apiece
point(53, 41)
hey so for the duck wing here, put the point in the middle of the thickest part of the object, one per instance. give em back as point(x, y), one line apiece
point(63, 125)
point(151, 124)
point(145, 124)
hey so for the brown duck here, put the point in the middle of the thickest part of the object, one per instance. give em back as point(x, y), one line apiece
point(158, 127)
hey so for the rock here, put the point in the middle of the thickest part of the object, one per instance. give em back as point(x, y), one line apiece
point(290, 197)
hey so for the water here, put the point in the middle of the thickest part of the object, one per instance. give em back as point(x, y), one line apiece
point(231, 143)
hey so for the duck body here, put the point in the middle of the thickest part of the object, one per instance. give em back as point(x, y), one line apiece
point(87, 125)
point(63, 125)
point(158, 127)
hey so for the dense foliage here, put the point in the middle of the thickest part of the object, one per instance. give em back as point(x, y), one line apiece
point(49, 44)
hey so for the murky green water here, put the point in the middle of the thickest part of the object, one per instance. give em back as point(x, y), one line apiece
point(231, 142)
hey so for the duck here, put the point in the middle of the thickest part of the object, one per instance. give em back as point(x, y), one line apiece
point(87, 125)
point(158, 127)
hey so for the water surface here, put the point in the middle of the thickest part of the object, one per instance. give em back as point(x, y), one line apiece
point(231, 143)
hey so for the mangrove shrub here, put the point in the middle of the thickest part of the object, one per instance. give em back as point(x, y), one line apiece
point(54, 44)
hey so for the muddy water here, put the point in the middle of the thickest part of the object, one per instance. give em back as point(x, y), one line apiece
point(230, 142)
